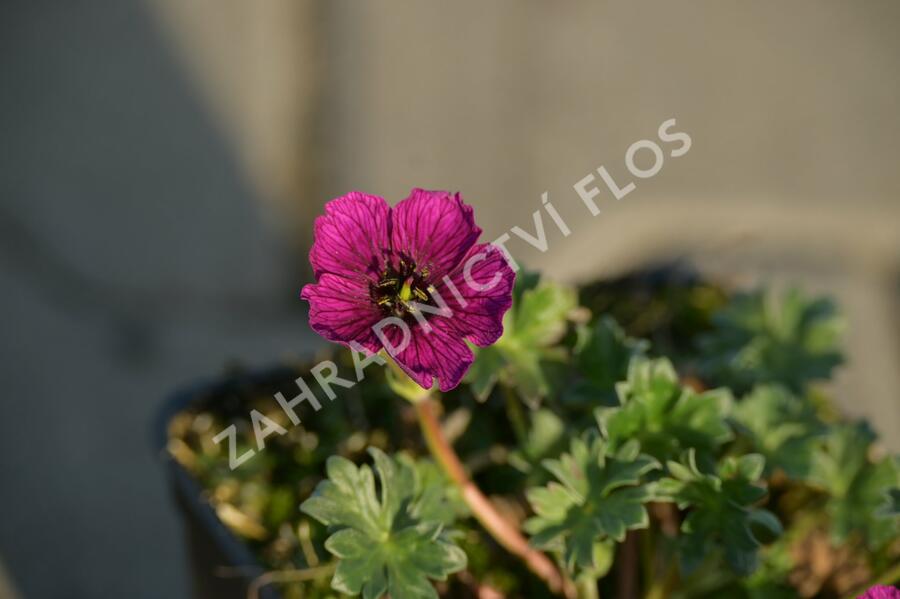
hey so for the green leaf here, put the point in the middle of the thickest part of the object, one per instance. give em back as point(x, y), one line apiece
point(540, 318)
point(722, 517)
point(782, 426)
point(439, 500)
point(532, 328)
point(390, 540)
point(763, 338)
point(525, 281)
point(861, 491)
point(485, 371)
point(891, 508)
point(665, 417)
point(524, 370)
point(841, 457)
point(602, 360)
point(595, 499)
point(546, 436)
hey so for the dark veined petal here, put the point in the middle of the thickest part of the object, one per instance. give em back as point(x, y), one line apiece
point(881, 592)
point(351, 238)
point(433, 228)
point(439, 353)
point(434, 232)
point(341, 310)
point(484, 281)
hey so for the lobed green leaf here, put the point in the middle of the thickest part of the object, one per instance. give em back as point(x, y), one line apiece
point(861, 492)
point(764, 338)
point(390, 540)
point(782, 426)
point(664, 416)
point(596, 498)
point(532, 328)
point(722, 517)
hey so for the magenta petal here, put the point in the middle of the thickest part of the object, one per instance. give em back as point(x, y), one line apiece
point(341, 310)
point(881, 592)
point(439, 353)
point(351, 237)
point(434, 228)
point(486, 292)
point(366, 256)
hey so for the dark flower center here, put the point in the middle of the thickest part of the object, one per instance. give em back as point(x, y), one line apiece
point(399, 287)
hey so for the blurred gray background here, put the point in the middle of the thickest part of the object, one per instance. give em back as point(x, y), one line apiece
point(163, 161)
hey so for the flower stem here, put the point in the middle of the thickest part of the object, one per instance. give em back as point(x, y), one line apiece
point(287, 576)
point(514, 412)
point(587, 587)
point(505, 533)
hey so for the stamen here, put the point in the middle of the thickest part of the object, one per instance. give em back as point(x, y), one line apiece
point(406, 291)
point(401, 286)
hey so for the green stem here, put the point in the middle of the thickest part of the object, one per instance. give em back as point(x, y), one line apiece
point(587, 587)
point(504, 532)
point(288, 576)
point(515, 414)
point(661, 588)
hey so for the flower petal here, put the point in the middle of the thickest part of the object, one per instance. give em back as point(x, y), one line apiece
point(881, 592)
point(485, 286)
point(341, 310)
point(439, 353)
point(351, 238)
point(434, 228)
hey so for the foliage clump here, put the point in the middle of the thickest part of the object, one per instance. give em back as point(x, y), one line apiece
point(655, 434)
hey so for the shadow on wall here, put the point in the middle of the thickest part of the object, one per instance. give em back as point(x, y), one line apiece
point(133, 258)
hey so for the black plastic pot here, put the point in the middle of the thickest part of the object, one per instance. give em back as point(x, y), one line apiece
point(222, 566)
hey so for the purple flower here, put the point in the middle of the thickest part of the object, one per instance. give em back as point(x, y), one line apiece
point(881, 592)
point(409, 279)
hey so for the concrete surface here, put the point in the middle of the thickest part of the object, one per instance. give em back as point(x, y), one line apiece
point(133, 259)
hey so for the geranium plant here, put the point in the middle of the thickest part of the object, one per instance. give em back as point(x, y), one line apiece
point(528, 439)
